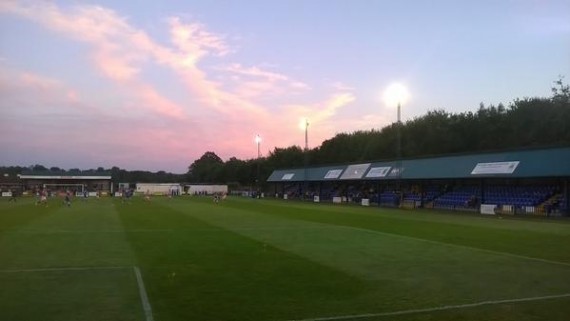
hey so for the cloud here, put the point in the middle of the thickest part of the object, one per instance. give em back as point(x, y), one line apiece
point(26, 93)
point(53, 122)
point(222, 107)
point(337, 85)
point(256, 82)
point(255, 72)
point(195, 41)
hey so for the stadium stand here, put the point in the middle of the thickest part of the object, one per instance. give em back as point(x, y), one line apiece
point(527, 182)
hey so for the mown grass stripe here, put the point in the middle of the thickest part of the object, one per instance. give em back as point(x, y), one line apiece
point(86, 231)
point(441, 308)
point(457, 246)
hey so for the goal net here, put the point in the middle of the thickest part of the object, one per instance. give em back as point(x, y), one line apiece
point(62, 188)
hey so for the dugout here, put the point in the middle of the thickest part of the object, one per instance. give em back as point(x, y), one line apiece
point(76, 182)
point(531, 181)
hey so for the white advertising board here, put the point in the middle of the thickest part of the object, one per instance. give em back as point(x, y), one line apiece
point(333, 173)
point(365, 202)
point(495, 168)
point(488, 209)
point(355, 171)
point(396, 171)
point(287, 176)
point(316, 199)
point(378, 172)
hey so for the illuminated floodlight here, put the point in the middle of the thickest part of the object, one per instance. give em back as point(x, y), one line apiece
point(396, 94)
point(258, 142)
point(303, 124)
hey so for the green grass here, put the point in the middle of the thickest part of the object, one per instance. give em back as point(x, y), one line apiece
point(247, 259)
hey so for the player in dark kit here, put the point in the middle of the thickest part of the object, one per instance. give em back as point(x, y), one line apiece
point(13, 196)
point(68, 198)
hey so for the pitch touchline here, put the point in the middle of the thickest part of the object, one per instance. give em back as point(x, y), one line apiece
point(441, 308)
point(144, 298)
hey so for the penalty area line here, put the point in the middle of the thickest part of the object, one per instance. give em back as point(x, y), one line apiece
point(440, 308)
point(144, 297)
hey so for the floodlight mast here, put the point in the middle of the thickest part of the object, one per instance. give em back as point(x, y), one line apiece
point(258, 142)
point(306, 134)
point(396, 94)
point(257, 183)
point(305, 125)
point(399, 134)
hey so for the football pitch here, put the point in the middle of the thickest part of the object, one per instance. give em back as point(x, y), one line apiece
point(269, 260)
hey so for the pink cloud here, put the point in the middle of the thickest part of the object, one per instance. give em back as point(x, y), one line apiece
point(217, 115)
point(195, 41)
point(254, 82)
point(161, 105)
point(38, 82)
point(72, 96)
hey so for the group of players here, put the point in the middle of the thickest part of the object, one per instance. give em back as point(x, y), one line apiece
point(126, 194)
point(42, 197)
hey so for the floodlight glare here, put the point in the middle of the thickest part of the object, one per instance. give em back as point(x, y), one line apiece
point(303, 124)
point(257, 139)
point(396, 94)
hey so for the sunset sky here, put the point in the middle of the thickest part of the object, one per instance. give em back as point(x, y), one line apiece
point(152, 85)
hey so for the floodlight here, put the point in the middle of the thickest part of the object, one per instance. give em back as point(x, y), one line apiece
point(303, 124)
point(396, 94)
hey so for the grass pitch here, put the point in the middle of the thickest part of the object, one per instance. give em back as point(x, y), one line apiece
point(245, 259)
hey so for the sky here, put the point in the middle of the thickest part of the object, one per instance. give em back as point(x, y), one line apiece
point(153, 85)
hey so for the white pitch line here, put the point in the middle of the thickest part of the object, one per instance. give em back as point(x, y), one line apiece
point(144, 298)
point(441, 308)
point(55, 269)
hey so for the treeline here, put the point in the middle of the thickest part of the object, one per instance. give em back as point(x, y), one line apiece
point(525, 123)
point(118, 175)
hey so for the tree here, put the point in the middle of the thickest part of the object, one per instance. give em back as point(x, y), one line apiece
point(38, 168)
point(206, 169)
point(236, 171)
point(286, 157)
point(561, 92)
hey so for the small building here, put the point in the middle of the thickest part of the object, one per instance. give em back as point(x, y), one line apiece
point(10, 184)
point(76, 181)
point(204, 189)
point(159, 188)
